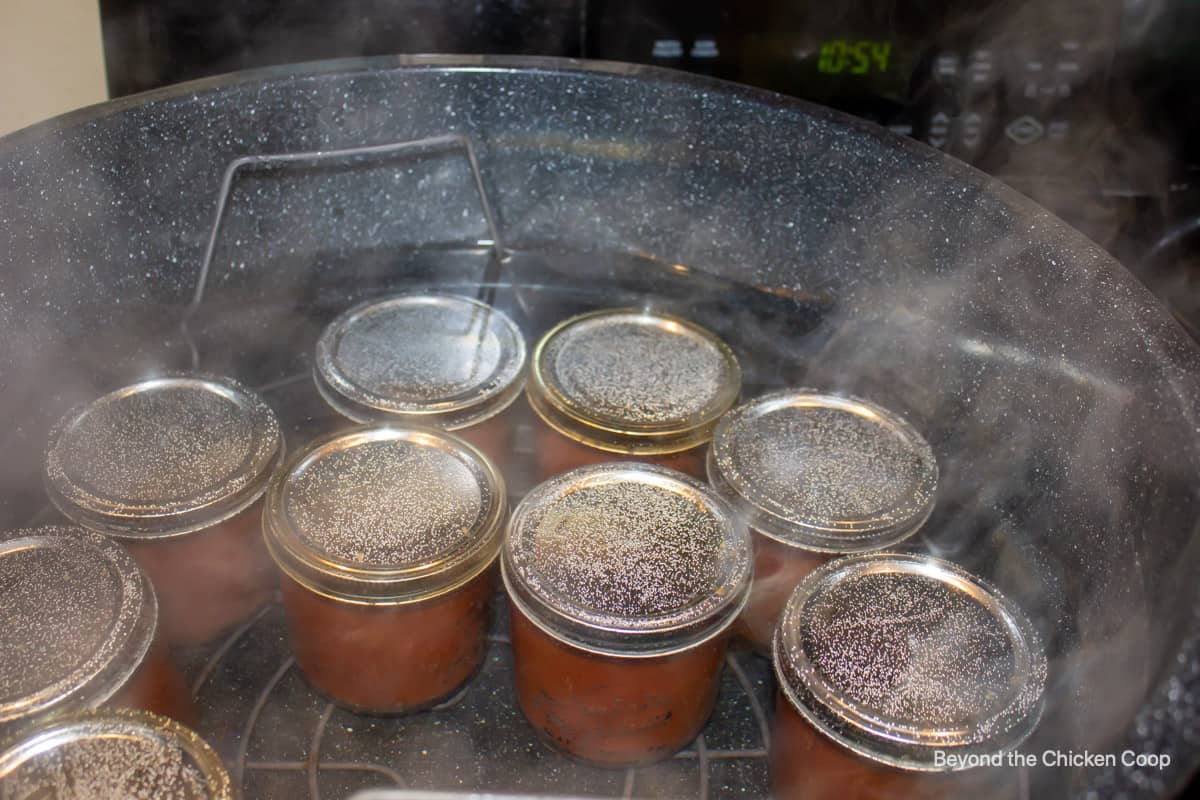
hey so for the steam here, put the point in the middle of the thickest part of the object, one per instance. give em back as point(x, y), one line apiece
point(1061, 481)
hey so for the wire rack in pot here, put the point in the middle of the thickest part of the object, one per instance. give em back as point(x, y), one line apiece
point(281, 739)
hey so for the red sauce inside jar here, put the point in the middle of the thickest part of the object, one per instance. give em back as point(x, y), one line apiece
point(808, 765)
point(557, 453)
point(493, 436)
point(210, 580)
point(174, 468)
point(613, 710)
point(628, 385)
point(624, 581)
point(432, 360)
point(887, 663)
point(157, 686)
point(389, 658)
point(778, 569)
point(386, 537)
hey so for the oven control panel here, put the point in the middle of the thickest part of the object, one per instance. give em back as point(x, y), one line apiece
point(1003, 86)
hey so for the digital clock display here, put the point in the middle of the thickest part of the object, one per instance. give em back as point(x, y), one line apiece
point(854, 57)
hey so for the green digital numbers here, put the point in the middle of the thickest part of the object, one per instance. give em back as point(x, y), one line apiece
point(861, 57)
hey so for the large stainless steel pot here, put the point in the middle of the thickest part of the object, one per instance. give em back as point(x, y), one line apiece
point(1062, 400)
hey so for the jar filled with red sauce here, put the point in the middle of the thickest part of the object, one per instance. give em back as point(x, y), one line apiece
point(79, 630)
point(385, 537)
point(629, 385)
point(429, 360)
point(901, 676)
point(816, 476)
point(174, 468)
point(623, 580)
point(112, 755)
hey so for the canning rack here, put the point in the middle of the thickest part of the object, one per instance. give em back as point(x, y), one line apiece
point(280, 738)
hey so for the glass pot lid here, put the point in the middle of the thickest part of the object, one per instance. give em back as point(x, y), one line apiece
point(164, 457)
point(114, 755)
point(824, 472)
point(627, 559)
point(77, 619)
point(633, 381)
point(386, 515)
point(897, 657)
point(430, 359)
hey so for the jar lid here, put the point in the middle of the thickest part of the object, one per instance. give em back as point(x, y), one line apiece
point(77, 619)
point(114, 755)
point(163, 457)
point(824, 472)
point(430, 359)
point(897, 657)
point(627, 559)
point(633, 381)
point(386, 515)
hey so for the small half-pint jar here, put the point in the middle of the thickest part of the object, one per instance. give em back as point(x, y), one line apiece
point(817, 476)
point(629, 385)
point(175, 467)
point(430, 360)
point(623, 580)
point(112, 755)
point(78, 630)
point(901, 676)
point(385, 537)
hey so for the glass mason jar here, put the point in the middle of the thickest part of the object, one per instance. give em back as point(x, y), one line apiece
point(174, 468)
point(385, 537)
point(79, 630)
point(895, 672)
point(816, 476)
point(629, 385)
point(430, 360)
point(112, 754)
point(623, 580)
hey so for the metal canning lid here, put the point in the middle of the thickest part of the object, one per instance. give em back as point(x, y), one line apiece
point(163, 457)
point(897, 657)
point(113, 755)
point(824, 472)
point(439, 360)
point(385, 515)
point(626, 559)
point(633, 381)
point(77, 619)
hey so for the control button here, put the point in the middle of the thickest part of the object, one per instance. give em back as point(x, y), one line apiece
point(972, 129)
point(667, 48)
point(704, 48)
point(1024, 130)
point(1058, 129)
point(945, 68)
point(939, 129)
point(979, 70)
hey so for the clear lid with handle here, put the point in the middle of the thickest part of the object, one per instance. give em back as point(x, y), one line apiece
point(77, 619)
point(435, 360)
point(386, 515)
point(626, 559)
point(113, 755)
point(164, 457)
point(824, 472)
point(898, 657)
point(633, 381)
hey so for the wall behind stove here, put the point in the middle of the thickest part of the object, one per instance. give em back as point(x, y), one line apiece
point(51, 59)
